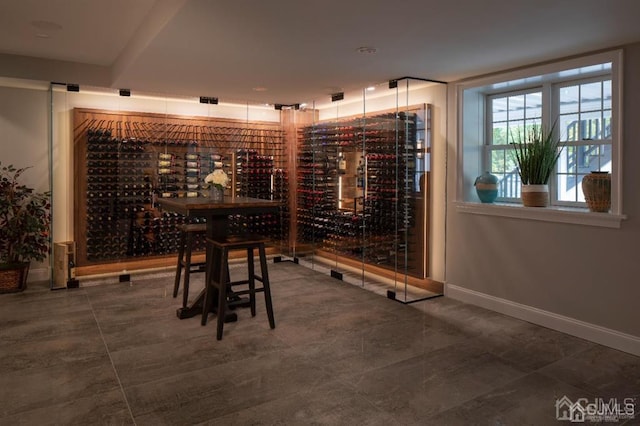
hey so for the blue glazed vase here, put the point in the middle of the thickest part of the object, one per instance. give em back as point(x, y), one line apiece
point(487, 187)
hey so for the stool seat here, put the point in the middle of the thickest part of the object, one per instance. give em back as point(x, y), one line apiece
point(239, 241)
point(188, 231)
point(218, 277)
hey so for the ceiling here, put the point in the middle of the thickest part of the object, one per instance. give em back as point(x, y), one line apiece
point(292, 51)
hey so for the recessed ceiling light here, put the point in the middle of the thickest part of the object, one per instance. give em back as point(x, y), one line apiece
point(259, 89)
point(367, 50)
point(371, 88)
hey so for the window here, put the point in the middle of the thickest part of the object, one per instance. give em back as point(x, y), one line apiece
point(584, 122)
point(582, 113)
point(508, 115)
point(583, 96)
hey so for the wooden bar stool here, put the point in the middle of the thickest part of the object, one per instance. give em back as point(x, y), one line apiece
point(222, 282)
point(188, 232)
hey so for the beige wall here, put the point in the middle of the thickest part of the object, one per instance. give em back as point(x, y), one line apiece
point(580, 279)
point(24, 141)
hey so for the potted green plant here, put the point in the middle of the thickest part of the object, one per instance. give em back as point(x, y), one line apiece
point(536, 152)
point(25, 217)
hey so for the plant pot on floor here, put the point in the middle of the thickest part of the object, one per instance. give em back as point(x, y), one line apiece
point(13, 277)
point(535, 195)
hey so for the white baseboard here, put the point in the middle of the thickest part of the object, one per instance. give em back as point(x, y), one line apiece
point(595, 333)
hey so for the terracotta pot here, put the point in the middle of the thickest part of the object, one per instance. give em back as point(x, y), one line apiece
point(596, 187)
point(535, 195)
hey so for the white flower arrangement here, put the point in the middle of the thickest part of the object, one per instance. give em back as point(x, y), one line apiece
point(218, 178)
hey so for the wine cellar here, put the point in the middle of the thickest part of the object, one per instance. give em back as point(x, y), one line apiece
point(352, 189)
point(126, 161)
point(361, 189)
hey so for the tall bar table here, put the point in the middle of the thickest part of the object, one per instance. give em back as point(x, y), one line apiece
point(217, 216)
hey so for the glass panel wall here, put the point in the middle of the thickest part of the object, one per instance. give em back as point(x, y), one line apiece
point(353, 175)
point(123, 154)
point(363, 178)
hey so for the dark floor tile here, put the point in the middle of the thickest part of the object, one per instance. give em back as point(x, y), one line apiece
point(420, 387)
point(339, 355)
point(323, 327)
point(25, 328)
point(379, 345)
point(51, 350)
point(107, 408)
point(31, 389)
point(602, 371)
point(469, 318)
point(530, 347)
point(147, 363)
point(131, 334)
point(330, 404)
point(41, 305)
point(530, 400)
point(222, 389)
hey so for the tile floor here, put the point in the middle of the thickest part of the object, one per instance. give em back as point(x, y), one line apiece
point(116, 354)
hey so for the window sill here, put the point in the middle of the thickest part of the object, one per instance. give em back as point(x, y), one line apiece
point(547, 214)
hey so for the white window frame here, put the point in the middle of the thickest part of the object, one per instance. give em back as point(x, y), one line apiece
point(556, 87)
point(470, 102)
point(489, 131)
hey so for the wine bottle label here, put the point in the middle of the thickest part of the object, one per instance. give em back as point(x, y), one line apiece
point(192, 164)
point(192, 179)
point(191, 157)
point(217, 164)
point(165, 156)
point(216, 157)
point(192, 186)
point(192, 194)
point(164, 171)
point(164, 163)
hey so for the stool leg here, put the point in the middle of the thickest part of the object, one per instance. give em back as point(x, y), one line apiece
point(252, 281)
point(208, 285)
point(265, 284)
point(222, 293)
point(187, 269)
point(181, 243)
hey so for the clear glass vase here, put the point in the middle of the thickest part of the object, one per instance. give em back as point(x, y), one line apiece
point(216, 194)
